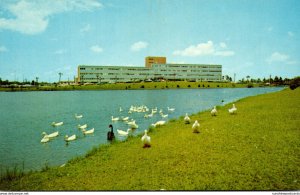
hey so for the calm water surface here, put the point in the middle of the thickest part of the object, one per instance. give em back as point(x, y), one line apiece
point(25, 115)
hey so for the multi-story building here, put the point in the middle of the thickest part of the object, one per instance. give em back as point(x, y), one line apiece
point(154, 60)
point(154, 71)
point(194, 72)
point(112, 74)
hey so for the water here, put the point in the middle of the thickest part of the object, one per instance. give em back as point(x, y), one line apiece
point(25, 115)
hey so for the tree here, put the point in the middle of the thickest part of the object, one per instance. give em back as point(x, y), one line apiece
point(248, 78)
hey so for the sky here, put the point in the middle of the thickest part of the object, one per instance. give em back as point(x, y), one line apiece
point(41, 38)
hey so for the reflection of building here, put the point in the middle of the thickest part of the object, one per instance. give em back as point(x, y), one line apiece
point(154, 60)
point(152, 70)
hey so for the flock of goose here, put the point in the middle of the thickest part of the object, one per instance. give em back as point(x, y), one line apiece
point(195, 127)
point(146, 140)
point(47, 137)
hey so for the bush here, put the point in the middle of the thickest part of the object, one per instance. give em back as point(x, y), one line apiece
point(142, 86)
point(295, 83)
point(178, 86)
point(189, 85)
point(250, 85)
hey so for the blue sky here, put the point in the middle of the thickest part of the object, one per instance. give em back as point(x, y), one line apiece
point(40, 38)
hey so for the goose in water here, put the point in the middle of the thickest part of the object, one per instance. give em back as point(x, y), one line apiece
point(164, 115)
point(146, 140)
point(82, 126)
point(214, 111)
point(114, 119)
point(133, 125)
point(57, 124)
point(110, 134)
point(124, 133)
point(159, 123)
point(125, 118)
point(54, 134)
point(121, 110)
point(71, 138)
point(196, 127)
point(171, 109)
point(78, 116)
point(45, 139)
point(91, 131)
point(232, 110)
point(187, 119)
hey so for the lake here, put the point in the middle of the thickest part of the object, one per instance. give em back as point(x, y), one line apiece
point(25, 115)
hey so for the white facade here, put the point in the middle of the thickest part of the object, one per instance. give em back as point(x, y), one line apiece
point(113, 74)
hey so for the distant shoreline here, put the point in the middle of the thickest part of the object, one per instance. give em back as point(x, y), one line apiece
point(133, 86)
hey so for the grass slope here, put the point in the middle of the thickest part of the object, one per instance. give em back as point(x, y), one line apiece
point(256, 149)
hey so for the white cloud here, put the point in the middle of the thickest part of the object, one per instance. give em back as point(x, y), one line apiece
point(138, 46)
point(204, 49)
point(96, 49)
point(3, 49)
point(277, 57)
point(86, 28)
point(32, 17)
point(199, 50)
point(223, 45)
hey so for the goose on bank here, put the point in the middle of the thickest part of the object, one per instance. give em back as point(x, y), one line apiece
point(196, 127)
point(146, 140)
point(187, 119)
point(214, 111)
point(232, 110)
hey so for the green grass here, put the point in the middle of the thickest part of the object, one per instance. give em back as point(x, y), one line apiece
point(256, 149)
point(134, 86)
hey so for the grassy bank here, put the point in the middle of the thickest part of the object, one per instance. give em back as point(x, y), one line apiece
point(132, 86)
point(256, 149)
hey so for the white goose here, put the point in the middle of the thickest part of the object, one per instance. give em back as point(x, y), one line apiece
point(171, 109)
point(124, 133)
point(164, 115)
point(82, 126)
point(121, 110)
point(125, 118)
point(232, 110)
point(114, 119)
point(71, 138)
point(146, 140)
point(133, 125)
point(195, 127)
point(45, 139)
point(57, 124)
point(91, 131)
point(78, 116)
point(187, 119)
point(159, 123)
point(54, 134)
point(214, 111)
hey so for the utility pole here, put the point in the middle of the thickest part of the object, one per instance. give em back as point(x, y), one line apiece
point(234, 77)
point(36, 80)
point(59, 76)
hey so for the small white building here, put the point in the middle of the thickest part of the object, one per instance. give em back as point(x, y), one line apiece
point(113, 74)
